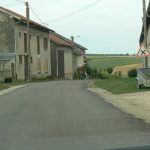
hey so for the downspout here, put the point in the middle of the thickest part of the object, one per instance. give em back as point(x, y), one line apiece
point(57, 60)
point(73, 67)
point(15, 53)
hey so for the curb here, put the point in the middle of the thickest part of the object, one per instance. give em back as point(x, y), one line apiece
point(13, 88)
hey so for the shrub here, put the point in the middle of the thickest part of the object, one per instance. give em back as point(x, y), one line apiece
point(132, 73)
point(80, 73)
point(50, 77)
point(110, 70)
point(76, 75)
point(119, 73)
point(95, 73)
point(103, 74)
point(8, 80)
point(89, 70)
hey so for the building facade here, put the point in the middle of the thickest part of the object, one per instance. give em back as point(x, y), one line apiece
point(66, 56)
point(50, 53)
point(13, 47)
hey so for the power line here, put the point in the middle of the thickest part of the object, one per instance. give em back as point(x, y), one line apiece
point(75, 12)
point(21, 1)
point(36, 15)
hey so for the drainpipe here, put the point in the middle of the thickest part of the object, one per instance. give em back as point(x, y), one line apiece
point(73, 67)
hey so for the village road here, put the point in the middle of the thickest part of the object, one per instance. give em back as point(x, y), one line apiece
point(64, 115)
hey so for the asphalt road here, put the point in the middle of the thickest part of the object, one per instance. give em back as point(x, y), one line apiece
point(63, 115)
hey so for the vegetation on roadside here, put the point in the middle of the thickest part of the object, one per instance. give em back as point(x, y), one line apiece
point(8, 82)
point(8, 85)
point(132, 73)
point(42, 79)
point(118, 85)
point(80, 73)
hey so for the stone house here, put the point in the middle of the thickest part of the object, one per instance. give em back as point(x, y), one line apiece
point(66, 56)
point(13, 46)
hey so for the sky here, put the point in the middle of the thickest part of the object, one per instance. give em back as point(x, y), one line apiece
point(102, 26)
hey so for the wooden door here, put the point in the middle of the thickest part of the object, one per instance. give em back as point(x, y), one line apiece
point(13, 70)
point(61, 64)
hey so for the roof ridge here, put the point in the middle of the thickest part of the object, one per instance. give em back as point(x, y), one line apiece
point(17, 15)
point(69, 41)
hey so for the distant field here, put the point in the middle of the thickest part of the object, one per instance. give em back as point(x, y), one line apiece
point(101, 62)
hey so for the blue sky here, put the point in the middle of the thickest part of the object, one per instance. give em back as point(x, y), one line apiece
point(108, 26)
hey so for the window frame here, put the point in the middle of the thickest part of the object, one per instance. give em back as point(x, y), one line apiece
point(38, 44)
point(20, 59)
point(45, 43)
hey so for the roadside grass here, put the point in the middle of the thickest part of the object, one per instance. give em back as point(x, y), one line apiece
point(103, 62)
point(21, 82)
point(8, 85)
point(118, 85)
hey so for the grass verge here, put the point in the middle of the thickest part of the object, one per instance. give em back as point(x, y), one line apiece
point(8, 85)
point(20, 82)
point(118, 85)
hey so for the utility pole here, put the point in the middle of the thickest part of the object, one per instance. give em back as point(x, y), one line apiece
point(145, 31)
point(72, 39)
point(28, 57)
point(73, 58)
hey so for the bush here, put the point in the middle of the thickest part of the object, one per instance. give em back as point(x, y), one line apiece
point(88, 70)
point(76, 75)
point(8, 80)
point(47, 78)
point(50, 77)
point(103, 74)
point(94, 73)
point(119, 73)
point(110, 70)
point(132, 73)
point(80, 73)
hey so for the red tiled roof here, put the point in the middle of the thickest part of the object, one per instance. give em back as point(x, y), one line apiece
point(59, 40)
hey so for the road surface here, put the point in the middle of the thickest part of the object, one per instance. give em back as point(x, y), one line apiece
point(63, 115)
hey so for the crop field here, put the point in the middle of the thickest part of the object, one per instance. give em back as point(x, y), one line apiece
point(102, 62)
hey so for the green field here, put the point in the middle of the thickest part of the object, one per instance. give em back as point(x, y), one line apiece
point(102, 62)
point(116, 85)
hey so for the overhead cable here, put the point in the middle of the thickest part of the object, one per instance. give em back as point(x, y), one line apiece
point(75, 12)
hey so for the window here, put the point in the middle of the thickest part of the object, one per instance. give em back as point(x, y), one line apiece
point(19, 34)
point(31, 60)
point(39, 65)
point(38, 45)
point(45, 65)
point(45, 43)
point(25, 42)
point(20, 59)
